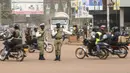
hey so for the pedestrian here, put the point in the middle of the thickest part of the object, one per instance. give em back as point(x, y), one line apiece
point(41, 35)
point(28, 35)
point(85, 31)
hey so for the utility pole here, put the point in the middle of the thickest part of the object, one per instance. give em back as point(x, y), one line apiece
point(108, 17)
point(0, 14)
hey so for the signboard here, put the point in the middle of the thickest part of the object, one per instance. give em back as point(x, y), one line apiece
point(27, 6)
point(82, 11)
point(91, 4)
point(73, 4)
point(95, 5)
point(116, 5)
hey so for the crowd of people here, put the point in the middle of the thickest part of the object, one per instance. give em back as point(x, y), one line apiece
point(38, 35)
point(100, 35)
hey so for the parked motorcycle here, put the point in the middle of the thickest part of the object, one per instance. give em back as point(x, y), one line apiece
point(17, 52)
point(82, 51)
point(47, 46)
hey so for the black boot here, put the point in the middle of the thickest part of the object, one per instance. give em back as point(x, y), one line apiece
point(59, 58)
point(56, 58)
point(41, 57)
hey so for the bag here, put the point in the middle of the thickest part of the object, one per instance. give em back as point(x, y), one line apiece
point(122, 39)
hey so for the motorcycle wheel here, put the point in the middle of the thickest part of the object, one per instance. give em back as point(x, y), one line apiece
point(104, 54)
point(31, 49)
point(124, 52)
point(80, 53)
point(21, 55)
point(3, 56)
point(49, 48)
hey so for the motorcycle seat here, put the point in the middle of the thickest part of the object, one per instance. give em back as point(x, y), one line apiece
point(19, 46)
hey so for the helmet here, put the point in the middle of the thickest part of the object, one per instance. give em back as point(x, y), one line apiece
point(102, 27)
point(42, 24)
point(123, 28)
point(16, 26)
point(95, 29)
point(35, 27)
point(114, 29)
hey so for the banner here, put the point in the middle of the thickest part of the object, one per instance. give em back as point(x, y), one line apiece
point(95, 5)
point(27, 6)
point(116, 5)
point(82, 10)
point(73, 4)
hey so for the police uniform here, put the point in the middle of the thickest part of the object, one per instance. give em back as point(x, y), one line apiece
point(40, 41)
point(58, 43)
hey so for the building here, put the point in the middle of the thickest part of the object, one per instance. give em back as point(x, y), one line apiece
point(117, 17)
point(125, 13)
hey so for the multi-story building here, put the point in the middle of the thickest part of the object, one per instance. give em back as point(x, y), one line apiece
point(117, 17)
point(125, 13)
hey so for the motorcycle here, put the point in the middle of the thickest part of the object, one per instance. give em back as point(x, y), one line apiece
point(81, 52)
point(3, 35)
point(47, 46)
point(121, 49)
point(17, 52)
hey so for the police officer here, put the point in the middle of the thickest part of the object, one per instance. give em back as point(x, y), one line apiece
point(58, 42)
point(41, 37)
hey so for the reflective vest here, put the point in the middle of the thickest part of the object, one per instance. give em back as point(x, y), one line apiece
point(98, 39)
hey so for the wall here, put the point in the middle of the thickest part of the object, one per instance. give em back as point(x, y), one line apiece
point(124, 3)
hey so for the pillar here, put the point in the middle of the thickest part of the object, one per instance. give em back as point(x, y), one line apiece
point(121, 17)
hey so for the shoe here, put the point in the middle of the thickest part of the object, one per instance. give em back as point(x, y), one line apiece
point(56, 58)
point(59, 58)
point(41, 57)
point(99, 53)
point(91, 54)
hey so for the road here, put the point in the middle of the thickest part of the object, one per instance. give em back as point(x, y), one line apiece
point(69, 64)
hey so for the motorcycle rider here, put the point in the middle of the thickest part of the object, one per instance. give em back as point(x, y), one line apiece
point(93, 33)
point(115, 35)
point(97, 38)
point(15, 39)
point(16, 36)
point(105, 38)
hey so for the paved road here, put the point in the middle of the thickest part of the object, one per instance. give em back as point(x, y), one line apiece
point(69, 64)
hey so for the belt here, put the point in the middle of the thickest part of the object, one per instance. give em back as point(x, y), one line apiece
point(57, 38)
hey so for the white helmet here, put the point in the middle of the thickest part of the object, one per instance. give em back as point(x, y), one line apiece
point(42, 24)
